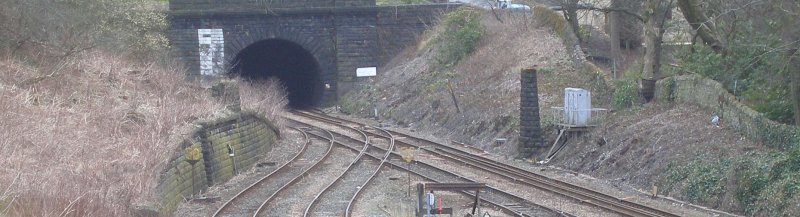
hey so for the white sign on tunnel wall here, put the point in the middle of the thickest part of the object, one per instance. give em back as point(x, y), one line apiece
point(366, 72)
point(212, 51)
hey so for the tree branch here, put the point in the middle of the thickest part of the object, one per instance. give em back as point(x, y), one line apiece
point(699, 22)
point(608, 10)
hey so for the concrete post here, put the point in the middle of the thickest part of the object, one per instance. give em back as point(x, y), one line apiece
point(530, 133)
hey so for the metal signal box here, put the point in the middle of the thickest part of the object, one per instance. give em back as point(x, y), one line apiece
point(577, 106)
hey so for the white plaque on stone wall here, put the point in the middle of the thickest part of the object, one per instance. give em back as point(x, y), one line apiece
point(212, 51)
point(366, 72)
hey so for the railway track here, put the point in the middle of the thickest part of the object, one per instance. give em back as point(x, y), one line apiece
point(565, 189)
point(330, 201)
point(249, 201)
point(390, 137)
point(508, 202)
point(295, 193)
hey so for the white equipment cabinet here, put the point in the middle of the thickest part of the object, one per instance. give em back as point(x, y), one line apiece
point(577, 106)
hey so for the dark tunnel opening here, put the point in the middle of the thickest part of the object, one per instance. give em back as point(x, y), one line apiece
point(287, 61)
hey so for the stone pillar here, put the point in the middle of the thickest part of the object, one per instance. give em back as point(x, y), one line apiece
point(530, 133)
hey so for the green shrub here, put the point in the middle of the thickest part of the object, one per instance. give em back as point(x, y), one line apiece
point(668, 93)
point(704, 179)
point(766, 184)
point(352, 104)
point(773, 101)
point(706, 182)
point(462, 33)
point(675, 173)
point(752, 179)
point(626, 93)
point(752, 71)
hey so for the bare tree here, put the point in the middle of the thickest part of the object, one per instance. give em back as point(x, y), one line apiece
point(67, 27)
point(571, 15)
point(789, 18)
point(702, 24)
point(655, 15)
point(718, 22)
point(623, 26)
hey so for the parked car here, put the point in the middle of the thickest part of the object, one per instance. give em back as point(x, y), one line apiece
point(506, 4)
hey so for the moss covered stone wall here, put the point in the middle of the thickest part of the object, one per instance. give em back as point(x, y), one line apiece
point(235, 144)
point(710, 95)
point(205, 159)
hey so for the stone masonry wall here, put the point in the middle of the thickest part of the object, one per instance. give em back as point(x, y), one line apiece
point(250, 135)
point(356, 43)
point(354, 34)
point(315, 33)
point(180, 180)
point(710, 94)
point(247, 136)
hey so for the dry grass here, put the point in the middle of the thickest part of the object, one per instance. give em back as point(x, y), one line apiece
point(266, 97)
point(86, 135)
point(485, 83)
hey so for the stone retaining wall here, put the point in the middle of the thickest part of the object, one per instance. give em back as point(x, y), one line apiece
point(710, 94)
point(250, 136)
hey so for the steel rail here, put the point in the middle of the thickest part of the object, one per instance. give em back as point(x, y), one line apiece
point(283, 167)
point(348, 211)
point(578, 193)
point(297, 178)
point(507, 195)
point(339, 178)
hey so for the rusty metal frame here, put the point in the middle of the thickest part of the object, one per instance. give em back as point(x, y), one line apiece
point(423, 187)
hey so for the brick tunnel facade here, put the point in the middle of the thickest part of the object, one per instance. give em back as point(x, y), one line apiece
point(322, 42)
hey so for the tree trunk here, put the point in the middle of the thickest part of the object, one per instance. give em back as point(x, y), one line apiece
point(790, 34)
point(794, 70)
point(613, 33)
point(655, 17)
point(571, 15)
point(654, 32)
point(702, 24)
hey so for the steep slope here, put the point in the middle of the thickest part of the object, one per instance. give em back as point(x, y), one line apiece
point(674, 147)
point(414, 90)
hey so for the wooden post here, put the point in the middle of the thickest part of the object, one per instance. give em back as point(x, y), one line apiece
point(453, 95)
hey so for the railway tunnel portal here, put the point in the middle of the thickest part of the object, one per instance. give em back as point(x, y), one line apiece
point(313, 46)
point(287, 61)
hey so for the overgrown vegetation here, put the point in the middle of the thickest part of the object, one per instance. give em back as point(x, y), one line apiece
point(87, 136)
point(267, 98)
point(762, 184)
point(457, 37)
point(703, 180)
point(461, 35)
point(753, 70)
point(626, 94)
point(89, 107)
point(68, 27)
